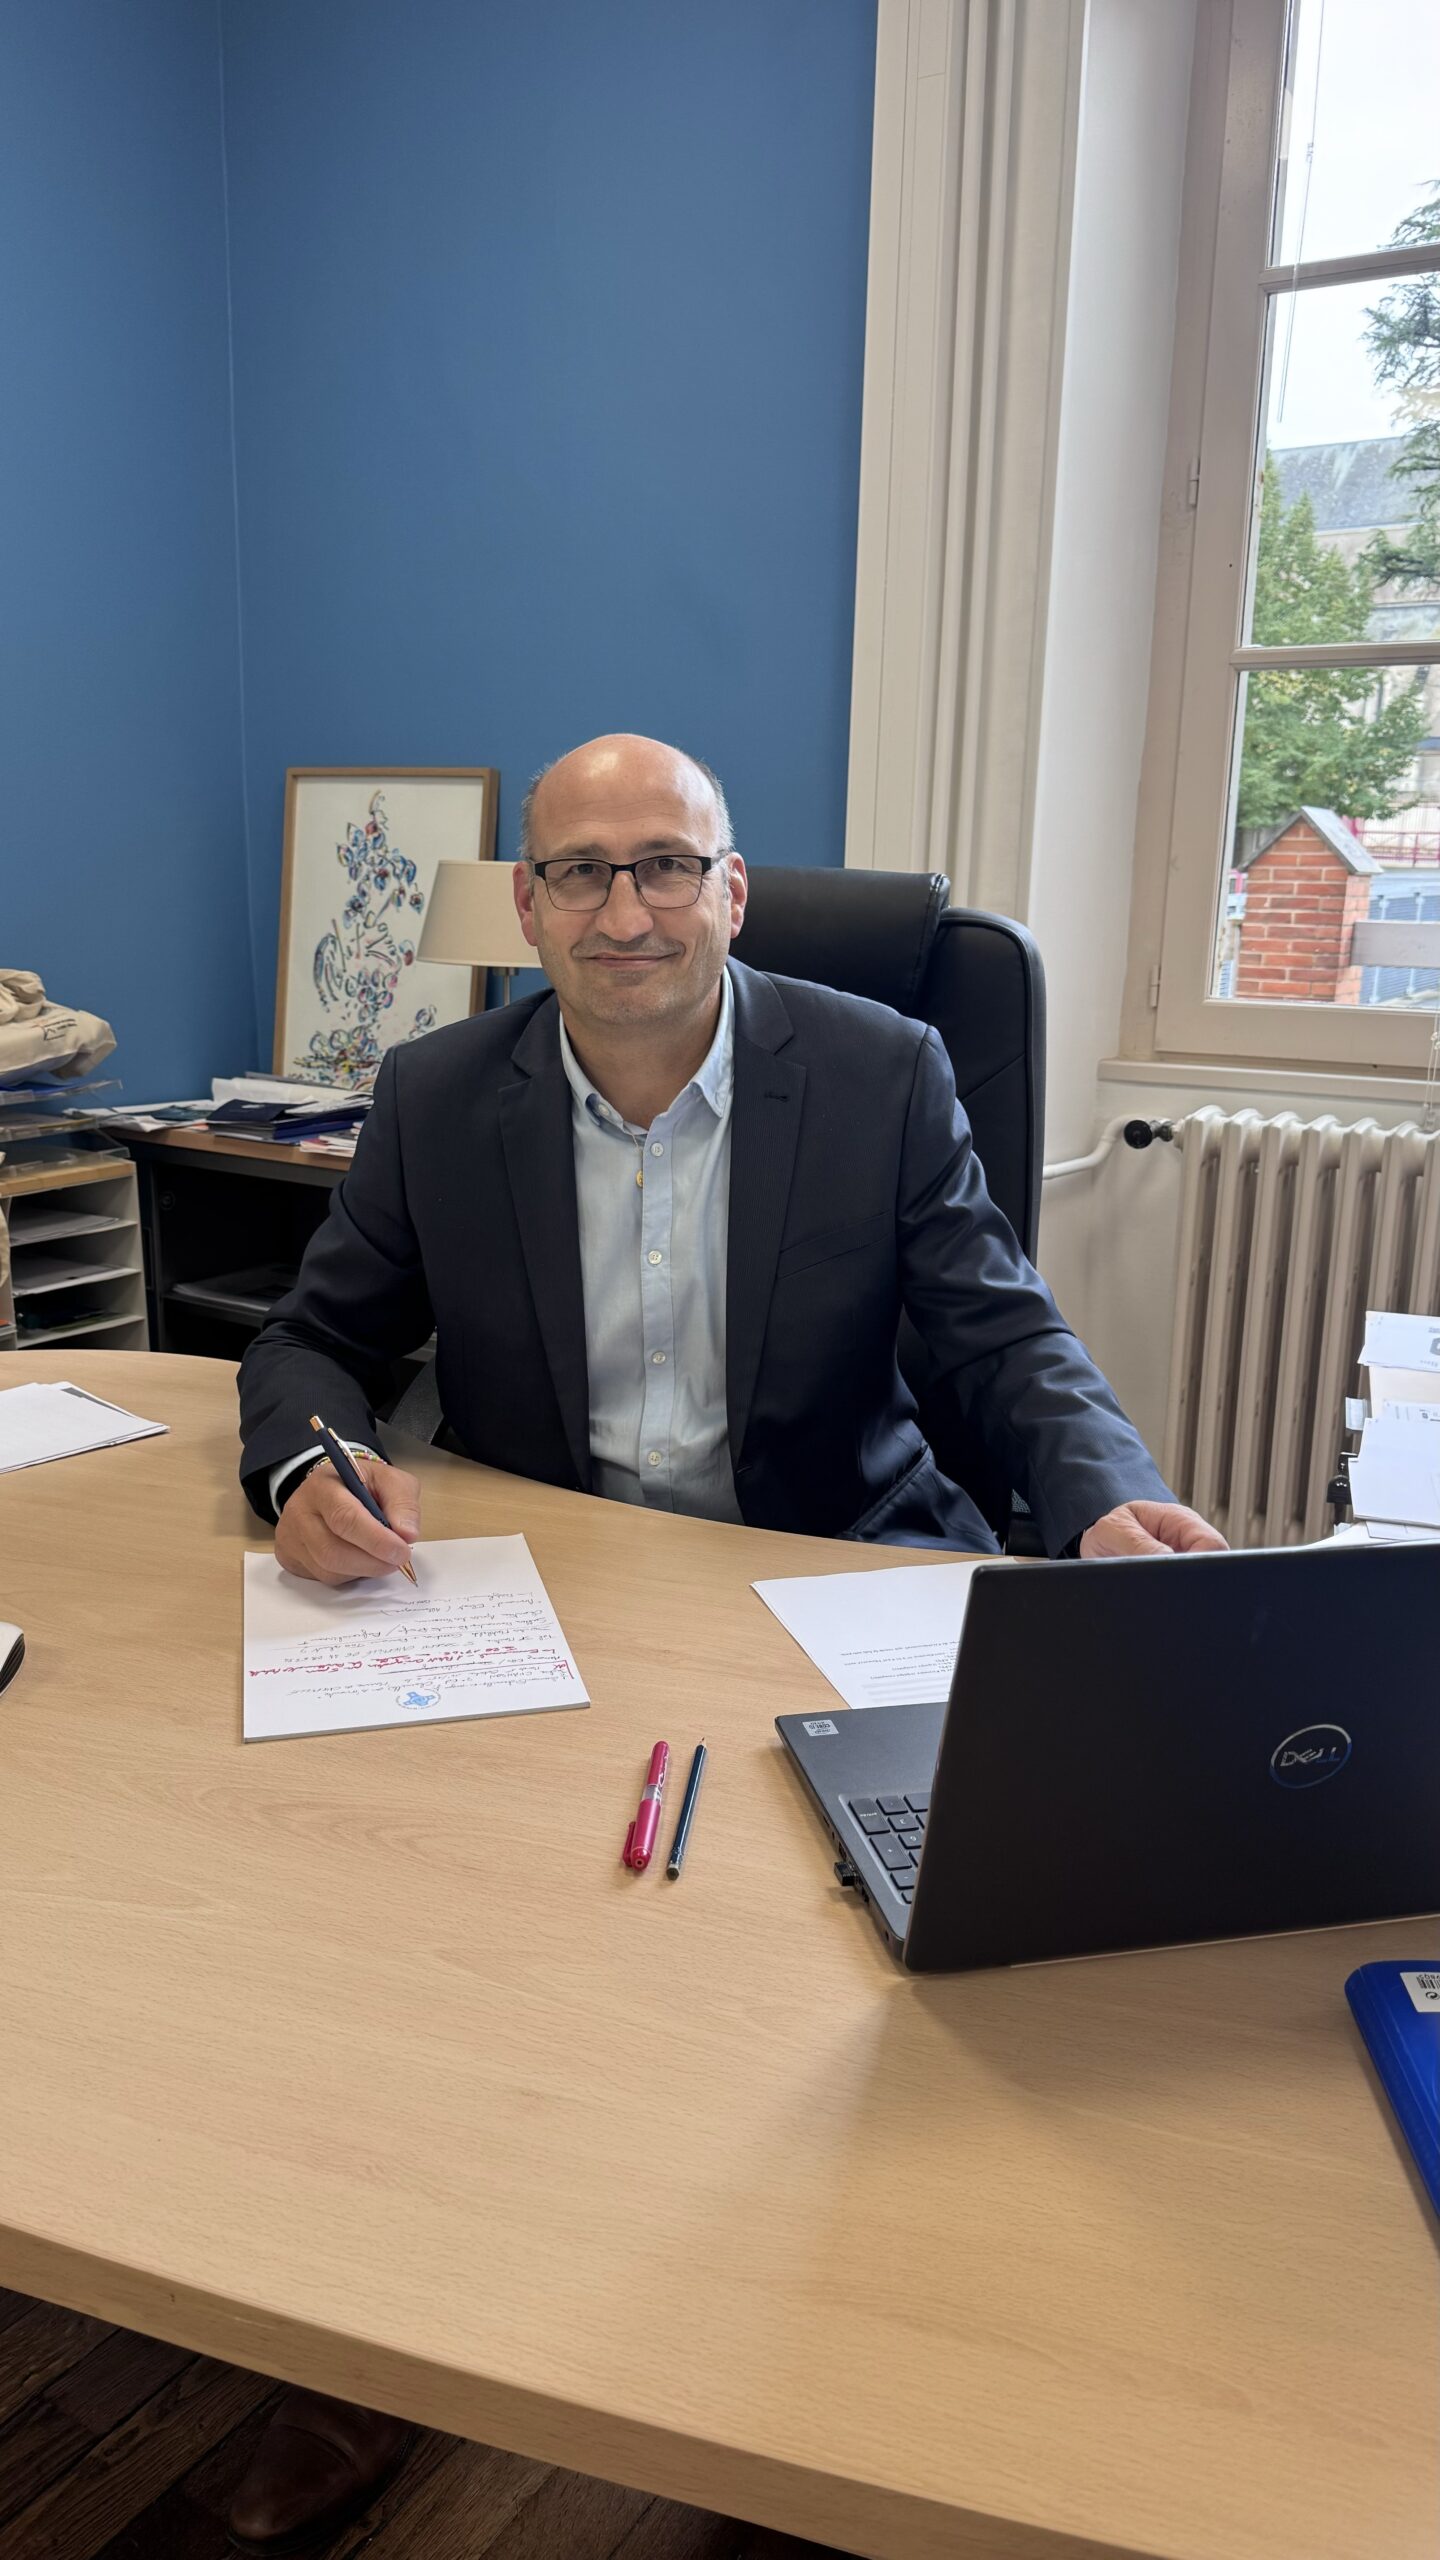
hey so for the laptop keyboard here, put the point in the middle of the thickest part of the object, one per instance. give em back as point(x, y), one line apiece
point(895, 1829)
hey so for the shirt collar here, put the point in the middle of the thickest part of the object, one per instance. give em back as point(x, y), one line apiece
point(713, 1080)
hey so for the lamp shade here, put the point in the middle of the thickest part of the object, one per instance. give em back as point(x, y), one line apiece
point(472, 919)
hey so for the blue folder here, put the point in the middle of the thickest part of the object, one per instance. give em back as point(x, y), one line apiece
point(1397, 2009)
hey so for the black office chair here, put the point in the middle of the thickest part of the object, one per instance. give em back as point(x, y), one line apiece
point(979, 979)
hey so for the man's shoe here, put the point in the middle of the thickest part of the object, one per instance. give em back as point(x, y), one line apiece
point(317, 2464)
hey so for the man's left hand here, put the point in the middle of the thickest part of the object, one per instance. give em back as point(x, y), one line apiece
point(1152, 1529)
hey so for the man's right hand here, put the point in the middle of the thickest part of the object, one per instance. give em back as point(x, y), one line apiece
point(325, 1535)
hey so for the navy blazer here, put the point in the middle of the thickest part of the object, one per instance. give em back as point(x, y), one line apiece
point(855, 1192)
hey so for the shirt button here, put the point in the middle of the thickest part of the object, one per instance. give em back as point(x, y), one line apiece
point(658, 1357)
point(654, 1257)
point(654, 1458)
point(657, 1149)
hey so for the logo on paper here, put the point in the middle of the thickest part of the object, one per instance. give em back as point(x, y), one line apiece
point(819, 1724)
point(1307, 1758)
point(419, 1698)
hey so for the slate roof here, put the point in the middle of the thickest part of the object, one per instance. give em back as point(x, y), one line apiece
point(1349, 486)
point(1326, 824)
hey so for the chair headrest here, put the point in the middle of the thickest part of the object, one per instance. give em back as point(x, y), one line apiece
point(869, 933)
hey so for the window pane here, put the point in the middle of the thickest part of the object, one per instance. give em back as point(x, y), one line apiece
point(1335, 822)
point(1348, 534)
point(1360, 141)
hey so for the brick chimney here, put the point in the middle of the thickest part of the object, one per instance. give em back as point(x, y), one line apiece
point(1307, 887)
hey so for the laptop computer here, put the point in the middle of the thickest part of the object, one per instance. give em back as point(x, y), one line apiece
point(1141, 1752)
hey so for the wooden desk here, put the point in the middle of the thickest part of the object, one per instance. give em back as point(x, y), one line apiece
point(360, 2061)
point(201, 1146)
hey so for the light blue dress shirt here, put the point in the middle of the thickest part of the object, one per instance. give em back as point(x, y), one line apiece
point(652, 1263)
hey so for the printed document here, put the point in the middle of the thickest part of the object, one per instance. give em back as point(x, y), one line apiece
point(1402, 1354)
point(1401, 1342)
point(883, 1639)
point(60, 1421)
point(477, 1638)
point(1397, 1473)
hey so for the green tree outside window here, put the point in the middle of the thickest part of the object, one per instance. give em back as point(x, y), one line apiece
point(1337, 737)
point(1404, 343)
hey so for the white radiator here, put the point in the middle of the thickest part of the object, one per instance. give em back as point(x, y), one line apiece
point(1289, 1230)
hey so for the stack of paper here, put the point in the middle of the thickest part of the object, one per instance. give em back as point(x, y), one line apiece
point(1395, 1480)
point(339, 1142)
point(61, 1421)
point(275, 1089)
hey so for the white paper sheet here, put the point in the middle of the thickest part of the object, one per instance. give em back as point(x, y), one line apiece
point(1401, 1342)
point(1396, 1475)
point(883, 1639)
point(1398, 1410)
point(1390, 1387)
point(478, 1638)
point(38, 1423)
point(1369, 1533)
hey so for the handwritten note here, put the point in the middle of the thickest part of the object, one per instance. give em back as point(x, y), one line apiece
point(477, 1638)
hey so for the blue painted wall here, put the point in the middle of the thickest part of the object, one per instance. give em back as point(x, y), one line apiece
point(121, 846)
point(547, 344)
point(548, 328)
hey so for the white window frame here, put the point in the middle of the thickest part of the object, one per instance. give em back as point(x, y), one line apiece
point(1217, 394)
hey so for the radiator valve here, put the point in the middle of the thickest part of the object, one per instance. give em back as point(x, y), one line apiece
point(1143, 1133)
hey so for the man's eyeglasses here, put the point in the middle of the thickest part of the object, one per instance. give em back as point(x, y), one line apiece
point(662, 879)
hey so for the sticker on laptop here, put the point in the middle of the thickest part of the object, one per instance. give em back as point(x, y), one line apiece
point(1424, 1989)
point(820, 1724)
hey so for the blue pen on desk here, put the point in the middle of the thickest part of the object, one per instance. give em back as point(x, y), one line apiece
point(687, 1811)
point(349, 1475)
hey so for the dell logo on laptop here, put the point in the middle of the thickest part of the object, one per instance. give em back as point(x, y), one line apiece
point(1303, 1759)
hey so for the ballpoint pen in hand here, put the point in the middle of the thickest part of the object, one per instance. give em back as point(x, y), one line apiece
point(349, 1475)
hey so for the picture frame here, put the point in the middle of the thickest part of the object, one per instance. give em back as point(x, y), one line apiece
point(361, 846)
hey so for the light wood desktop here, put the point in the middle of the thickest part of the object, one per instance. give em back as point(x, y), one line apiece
point(361, 2061)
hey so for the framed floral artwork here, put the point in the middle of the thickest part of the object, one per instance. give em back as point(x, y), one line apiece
point(361, 846)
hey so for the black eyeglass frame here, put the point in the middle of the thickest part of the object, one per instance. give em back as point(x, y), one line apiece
point(559, 861)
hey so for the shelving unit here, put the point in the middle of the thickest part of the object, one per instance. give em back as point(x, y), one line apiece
point(76, 1262)
point(226, 1222)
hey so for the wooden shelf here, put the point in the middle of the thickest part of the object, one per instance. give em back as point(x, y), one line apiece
point(52, 1224)
point(262, 1151)
point(108, 1260)
point(37, 1279)
point(19, 1181)
point(78, 1332)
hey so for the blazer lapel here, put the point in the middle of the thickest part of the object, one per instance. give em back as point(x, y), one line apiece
point(764, 1133)
point(535, 1131)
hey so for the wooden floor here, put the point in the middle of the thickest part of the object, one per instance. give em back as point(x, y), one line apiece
point(114, 2447)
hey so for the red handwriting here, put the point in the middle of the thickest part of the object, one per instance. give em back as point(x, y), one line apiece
point(556, 1666)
